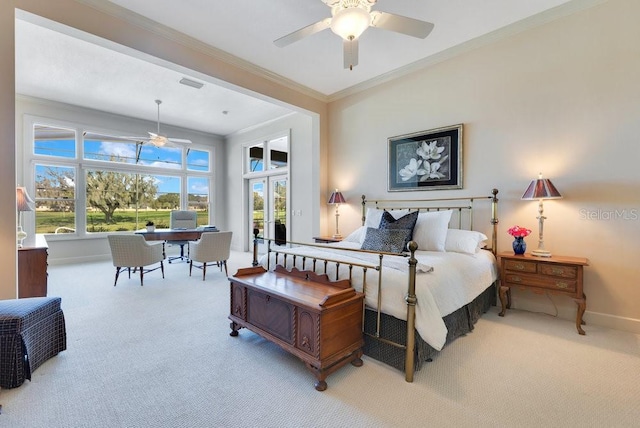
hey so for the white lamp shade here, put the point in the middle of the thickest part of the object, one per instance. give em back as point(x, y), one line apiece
point(350, 23)
point(23, 200)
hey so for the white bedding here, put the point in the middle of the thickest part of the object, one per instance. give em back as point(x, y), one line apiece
point(446, 281)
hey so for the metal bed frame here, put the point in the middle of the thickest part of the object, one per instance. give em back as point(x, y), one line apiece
point(464, 206)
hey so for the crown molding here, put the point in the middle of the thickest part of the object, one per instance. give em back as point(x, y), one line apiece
point(534, 21)
point(166, 32)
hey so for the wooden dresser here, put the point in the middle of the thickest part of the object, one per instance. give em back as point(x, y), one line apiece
point(32, 267)
point(556, 274)
point(314, 319)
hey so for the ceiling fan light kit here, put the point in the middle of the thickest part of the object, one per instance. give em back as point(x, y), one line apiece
point(350, 23)
point(350, 18)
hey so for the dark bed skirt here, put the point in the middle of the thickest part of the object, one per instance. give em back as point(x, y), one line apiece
point(458, 323)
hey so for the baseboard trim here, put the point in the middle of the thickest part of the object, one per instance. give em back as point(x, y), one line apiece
point(615, 322)
point(75, 260)
point(564, 308)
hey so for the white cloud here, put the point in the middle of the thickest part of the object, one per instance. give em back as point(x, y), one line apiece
point(123, 150)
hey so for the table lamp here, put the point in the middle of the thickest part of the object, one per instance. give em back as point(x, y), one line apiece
point(23, 203)
point(540, 189)
point(337, 199)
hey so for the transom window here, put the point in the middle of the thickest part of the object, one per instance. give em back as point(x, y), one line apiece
point(268, 155)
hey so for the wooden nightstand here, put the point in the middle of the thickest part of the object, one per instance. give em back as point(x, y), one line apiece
point(557, 274)
point(325, 239)
point(32, 267)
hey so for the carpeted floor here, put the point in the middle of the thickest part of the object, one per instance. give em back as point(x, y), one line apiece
point(161, 356)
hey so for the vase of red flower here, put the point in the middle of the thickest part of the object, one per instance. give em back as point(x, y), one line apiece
point(519, 233)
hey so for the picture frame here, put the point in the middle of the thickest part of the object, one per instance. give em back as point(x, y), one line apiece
point(440, 148)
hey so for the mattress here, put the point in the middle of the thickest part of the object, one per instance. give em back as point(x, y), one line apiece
point(445, 281)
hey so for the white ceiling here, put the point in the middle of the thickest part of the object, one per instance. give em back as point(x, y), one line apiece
point(53, 65)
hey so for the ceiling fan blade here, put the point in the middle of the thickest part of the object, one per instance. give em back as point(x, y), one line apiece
point(135, 139)
point(302, 33)
point(350, 48)
point(179, 141)
point(401, 24)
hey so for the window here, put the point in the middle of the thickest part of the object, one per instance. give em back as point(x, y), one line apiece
point(122, 201)
point(90, 182)
point(278, 153)
point(54, 141)
point(197, 160)
point(198, 193)
point(255, 158)
point(55, 198)
point(122, 150)
point(267, 155)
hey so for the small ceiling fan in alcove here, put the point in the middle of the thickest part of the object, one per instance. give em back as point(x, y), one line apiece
point(158, 140)
point(350, 18)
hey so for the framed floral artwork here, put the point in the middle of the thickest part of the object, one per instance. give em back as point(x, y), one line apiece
point(427, 160)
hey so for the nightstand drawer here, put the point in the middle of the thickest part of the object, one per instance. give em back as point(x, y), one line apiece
point(520, 266)
point(559, 270)
point(540, 281)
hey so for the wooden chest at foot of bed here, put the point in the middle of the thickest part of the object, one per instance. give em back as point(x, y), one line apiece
point(317, 320)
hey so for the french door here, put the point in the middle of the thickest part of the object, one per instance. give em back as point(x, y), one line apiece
point(268, 209)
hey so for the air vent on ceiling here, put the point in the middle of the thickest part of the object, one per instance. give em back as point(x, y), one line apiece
point(191, 83)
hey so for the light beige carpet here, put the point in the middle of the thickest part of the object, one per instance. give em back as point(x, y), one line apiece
point(161, 356)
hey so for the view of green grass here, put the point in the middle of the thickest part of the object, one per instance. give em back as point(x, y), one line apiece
point(125, 220)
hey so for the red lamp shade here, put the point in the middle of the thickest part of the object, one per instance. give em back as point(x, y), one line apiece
point(336, 198)
point(541, 188)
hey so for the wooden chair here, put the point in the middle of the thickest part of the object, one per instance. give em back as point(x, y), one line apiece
point(212, 247)
point(133, 251)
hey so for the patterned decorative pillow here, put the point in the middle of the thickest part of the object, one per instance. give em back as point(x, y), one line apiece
point(386, 240)
point(407, 222)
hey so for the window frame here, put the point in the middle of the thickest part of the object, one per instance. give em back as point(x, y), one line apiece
point(266, 156)
point(82, 165)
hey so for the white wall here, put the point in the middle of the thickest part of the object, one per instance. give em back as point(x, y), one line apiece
point(561, 99)
point(303, 183)
point(86, 249)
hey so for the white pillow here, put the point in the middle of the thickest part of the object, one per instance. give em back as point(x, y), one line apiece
point(464, 241)
point(357, 235)
point(430, 232)
point(374, 216)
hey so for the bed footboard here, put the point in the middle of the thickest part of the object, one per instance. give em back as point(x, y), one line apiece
point(408, 345)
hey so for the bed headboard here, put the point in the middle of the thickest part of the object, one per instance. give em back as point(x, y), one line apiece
point(466, 210)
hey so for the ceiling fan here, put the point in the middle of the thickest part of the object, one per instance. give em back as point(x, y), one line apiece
point(158, 140)
point(350, 18)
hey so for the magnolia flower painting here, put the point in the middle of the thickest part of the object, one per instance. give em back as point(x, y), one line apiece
point(427, 163)
point(426, 160)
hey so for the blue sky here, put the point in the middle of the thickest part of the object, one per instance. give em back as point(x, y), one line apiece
point(166, 157)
